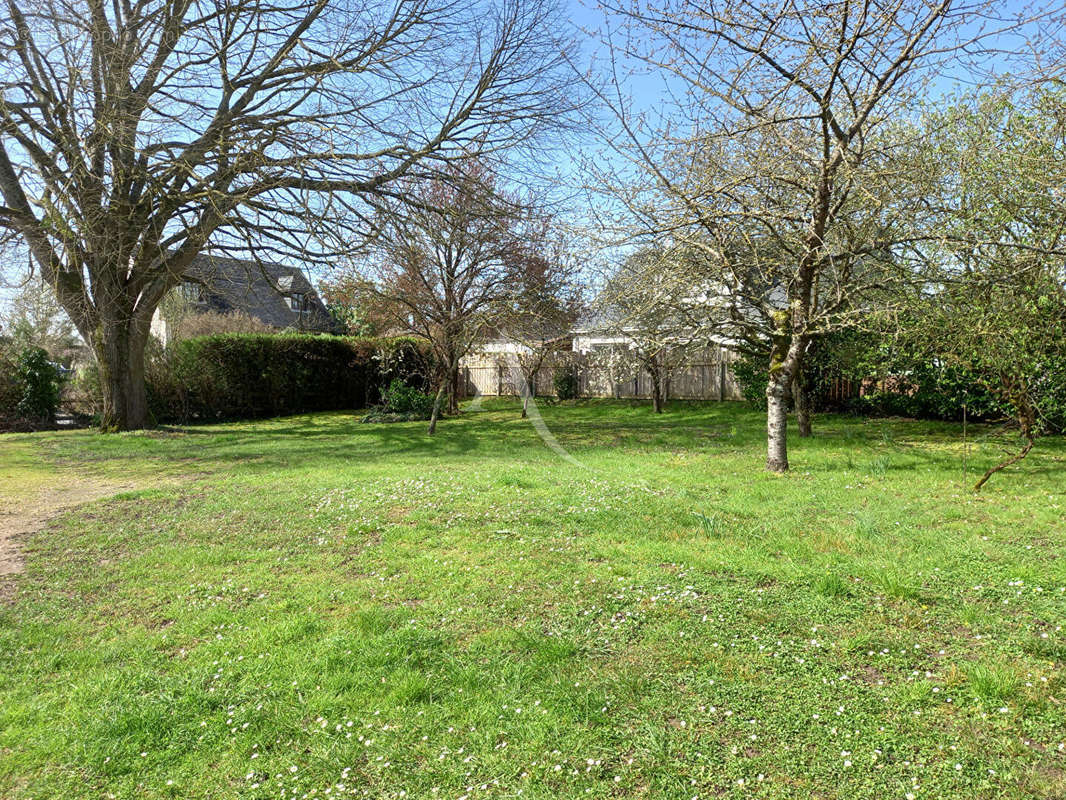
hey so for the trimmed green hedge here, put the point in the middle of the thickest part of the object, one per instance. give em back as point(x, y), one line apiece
point(241, 376)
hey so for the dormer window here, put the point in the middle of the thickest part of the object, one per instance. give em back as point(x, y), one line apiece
point(298, 302)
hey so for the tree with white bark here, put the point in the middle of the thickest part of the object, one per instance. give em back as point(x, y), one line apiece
point(135, 135)
point(785, 154)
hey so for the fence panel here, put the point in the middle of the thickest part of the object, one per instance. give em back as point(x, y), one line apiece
point(480, 379)
point(709, 380)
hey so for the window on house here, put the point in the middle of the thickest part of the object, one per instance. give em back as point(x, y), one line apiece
point(193, 292)
point(298, 302)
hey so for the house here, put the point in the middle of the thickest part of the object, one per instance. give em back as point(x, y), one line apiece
point(276, 296)
point(595, 332)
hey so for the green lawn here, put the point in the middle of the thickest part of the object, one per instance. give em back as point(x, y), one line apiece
point(309, 607)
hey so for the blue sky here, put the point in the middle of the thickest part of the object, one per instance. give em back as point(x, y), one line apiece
point(648, 91)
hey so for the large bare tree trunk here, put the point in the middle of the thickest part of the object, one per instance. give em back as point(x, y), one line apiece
point(656, 394)
point(119, 348)
point(801, 396)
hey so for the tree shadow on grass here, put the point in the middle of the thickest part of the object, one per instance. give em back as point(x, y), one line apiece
point(880, 446)
point(496, 433)
point(307, 443)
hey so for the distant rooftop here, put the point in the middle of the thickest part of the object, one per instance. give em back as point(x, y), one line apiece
point(276, 294)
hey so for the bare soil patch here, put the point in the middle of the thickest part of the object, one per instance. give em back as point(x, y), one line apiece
point(30, 515)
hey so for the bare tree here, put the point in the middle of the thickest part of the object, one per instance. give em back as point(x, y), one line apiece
point(787, 157)
point(36, 319)
point(546, 303)
point(134, 135)
point(450, 260)
point(653, 309)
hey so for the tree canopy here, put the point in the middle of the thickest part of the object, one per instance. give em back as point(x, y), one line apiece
point(134, 136)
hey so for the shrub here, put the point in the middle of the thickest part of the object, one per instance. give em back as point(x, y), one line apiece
point(1050, 391)
point(403, 357)
point(9, 385)
point(400, 398)
point(838, 356)
point(750, 372)
point(566, 384)
point(914, 386)
point(401, 403)
point(38, 386)
point(925, 390)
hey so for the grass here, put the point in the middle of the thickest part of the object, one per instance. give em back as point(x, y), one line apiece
point(310, 607)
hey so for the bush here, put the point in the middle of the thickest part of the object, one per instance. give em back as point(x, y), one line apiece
point(750, 372)
point(402, 403)
point(400, 398)
point(1050, 391)
point(928, 392)
point(38, 386)
point(566, 384)
point(839, 356)
point(914, 387)
point(235, 376)
point(410, 360)
point(9, 386)
point(29, 388)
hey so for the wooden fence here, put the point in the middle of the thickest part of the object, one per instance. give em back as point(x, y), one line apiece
point(709, 380)
point(839, 391)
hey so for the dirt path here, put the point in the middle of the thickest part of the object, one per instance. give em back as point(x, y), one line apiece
point(32, 514)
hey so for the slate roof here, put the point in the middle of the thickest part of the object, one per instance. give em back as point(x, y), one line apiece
point(263, 291)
